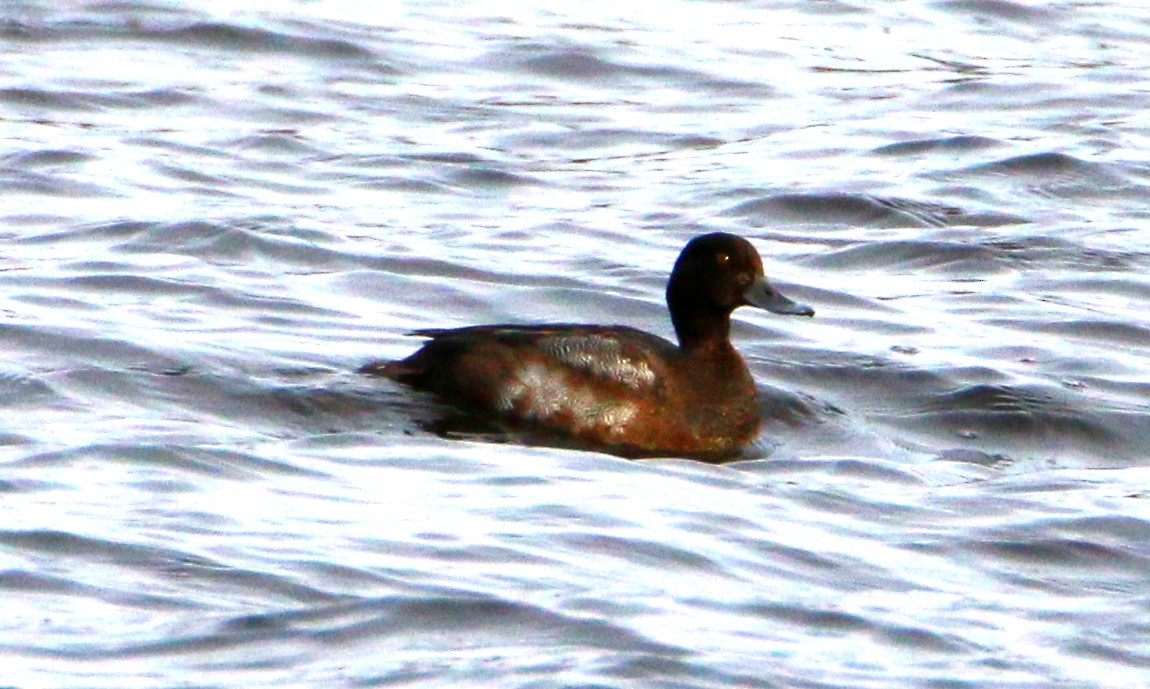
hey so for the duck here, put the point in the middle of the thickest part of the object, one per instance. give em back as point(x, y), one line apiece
point(614, 387)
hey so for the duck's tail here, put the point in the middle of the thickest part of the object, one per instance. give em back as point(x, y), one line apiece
point(396, 370)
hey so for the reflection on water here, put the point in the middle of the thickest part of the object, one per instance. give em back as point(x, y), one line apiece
point(213, 215)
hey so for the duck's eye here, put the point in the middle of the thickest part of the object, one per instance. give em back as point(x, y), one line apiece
point(723, 259)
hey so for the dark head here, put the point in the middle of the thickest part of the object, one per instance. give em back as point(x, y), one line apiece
point(717, 273)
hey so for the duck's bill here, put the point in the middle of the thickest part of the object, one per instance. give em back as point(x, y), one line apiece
point(763, 295)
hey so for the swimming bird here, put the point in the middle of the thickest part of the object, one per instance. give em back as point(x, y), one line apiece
point(614, 387)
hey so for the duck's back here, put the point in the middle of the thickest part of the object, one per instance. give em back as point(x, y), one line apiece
point(527, 370)
point(609, 385)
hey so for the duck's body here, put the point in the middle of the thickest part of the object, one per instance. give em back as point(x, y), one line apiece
point(614, 386)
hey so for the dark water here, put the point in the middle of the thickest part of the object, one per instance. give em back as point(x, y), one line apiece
point(212, 215)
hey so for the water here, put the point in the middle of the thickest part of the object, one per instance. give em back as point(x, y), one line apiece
point(212, 216)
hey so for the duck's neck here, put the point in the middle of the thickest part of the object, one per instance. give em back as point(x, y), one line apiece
point(700, 324)
point(702, 331)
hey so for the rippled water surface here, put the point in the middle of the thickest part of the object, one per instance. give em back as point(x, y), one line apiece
point(212, 216)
